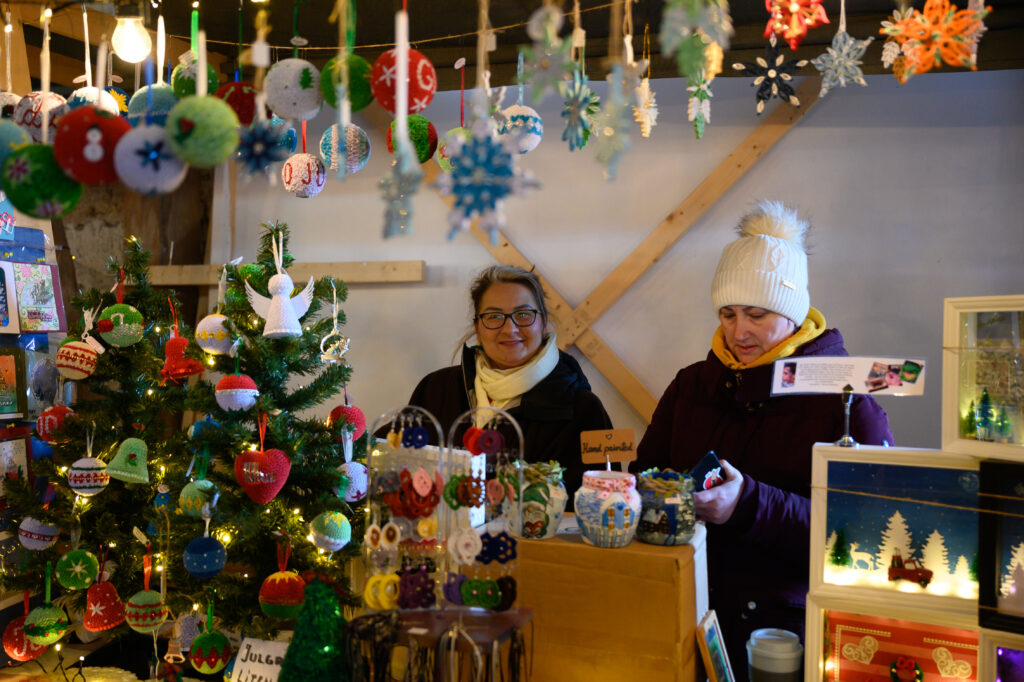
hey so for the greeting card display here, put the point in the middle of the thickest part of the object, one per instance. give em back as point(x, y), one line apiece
point(15, 460)
point(9, 322)
point(40, 307)
point(1001, 540)
point(13, 395)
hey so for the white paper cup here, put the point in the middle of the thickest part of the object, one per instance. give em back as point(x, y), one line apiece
point(774, 655)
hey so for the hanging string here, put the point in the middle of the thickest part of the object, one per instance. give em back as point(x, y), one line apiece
point(263, 428)
point(149, 92)
point(202, 79)
point(27, 598)
point(174, 317)
point(161, 48)
point(483, 22)
point(7, 50)
point(295, 31)
point(615, 45)
point(461, 66)
point(402, 80)
point(519, 78)
point(842, 16)
point(49, 570)
point(303, 137)
point(194, 32)
point(119, 287)
point(647, 48)
point(241, 35)
point(209, 613)
point(284, 551)
point(579, 36)
point(147, 567)
point(88, 47)
point(44, 67)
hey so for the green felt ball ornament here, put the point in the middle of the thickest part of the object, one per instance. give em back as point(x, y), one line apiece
point(210, 652)
point(331, 531)
point(146, 611)
point(36, 184)
point(422, 134)
point(444, 161)
point(359, 93)
point(203, 131)
point(77, 569)
point(120, 325)
point(194, 495)
point(47, 623)
point(183, 79)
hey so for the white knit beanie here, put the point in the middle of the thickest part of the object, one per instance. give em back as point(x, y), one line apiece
point(767, 266)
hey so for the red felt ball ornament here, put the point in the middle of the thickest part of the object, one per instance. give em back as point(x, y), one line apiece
point(241, 97)
point(236, 392)
point(282, 595)
point(422, 81)
point(51, 421)
point(422, 134)
point(351, 415)
point(84, 144)
point(17, 645)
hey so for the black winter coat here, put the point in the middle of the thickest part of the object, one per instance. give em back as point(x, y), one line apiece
point(551, 414)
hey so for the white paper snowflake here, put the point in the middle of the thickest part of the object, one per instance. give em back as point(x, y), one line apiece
point(841, 63)
point(548, 62)
point(645, 111)
point(611, 125)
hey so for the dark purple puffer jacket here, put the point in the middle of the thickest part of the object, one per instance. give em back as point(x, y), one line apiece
point(758, 560)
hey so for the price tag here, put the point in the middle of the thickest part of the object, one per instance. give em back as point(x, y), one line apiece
point(612, 445)
point(259, 660)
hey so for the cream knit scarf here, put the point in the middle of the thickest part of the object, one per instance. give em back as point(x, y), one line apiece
point(502, 388)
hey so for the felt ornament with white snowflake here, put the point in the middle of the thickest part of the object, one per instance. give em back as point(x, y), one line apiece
point(688, 26)
point(841, 62)
point(548, 61)
point(791, 19)
point(611, 125)
point(262, 145)
point(939, 34)
point(281, 310)
point(580, 106)
point(772, 74)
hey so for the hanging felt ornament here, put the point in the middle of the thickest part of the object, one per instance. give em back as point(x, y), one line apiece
point(841, 62)
point(176, 366)
point(145, 162)
point(163, 100)
point(12, 136)
point(211, 334)
point(37, 535)
point(241, 97)
point(282, 311)
point(359, 92)
point(76, 359)
point(210, 650)
point(687, 27)
point(36, 185)
point(88, 475)
point(612, 124)
point(791, 19)
point(520, 123)
point(120, 324)
point(262, 473)
point(90, 95)
point(50, 423)
point(77, 569)
point(264, 144)
point(334, 344)
point(305, 176)
point(421, 81)
point(236, 392)
point(103, 607)
point(16, 644)
point(422, 134)
point(129, 464)
point(32, 108)
point(772, 74)
point(204, 557)
point(347, 420)
point(146, 611)
point(47, 623)
point(199, 493)
point(442, 158)
point(330, 531)
point(548, 60)
point(939, 34)
point(355, 150)
point(580, 106)
point(282, 593)
point(293, 89)
point(183, 78)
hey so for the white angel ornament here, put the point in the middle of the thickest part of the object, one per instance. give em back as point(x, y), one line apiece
point(282, 310)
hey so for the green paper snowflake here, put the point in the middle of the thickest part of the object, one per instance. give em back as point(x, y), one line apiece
point(611, 125)
point(698, 109)
point(841, 63)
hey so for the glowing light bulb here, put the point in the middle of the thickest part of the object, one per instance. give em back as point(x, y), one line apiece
point(156, 329)
point(131, 41)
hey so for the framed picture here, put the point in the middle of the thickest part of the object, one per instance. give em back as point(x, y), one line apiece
point(40, 307)
point(712, 649)
point(1001, 540)
point(983, 376)
point(9, 323)
point(13, 391)
point(15, 462)
point(896, 524)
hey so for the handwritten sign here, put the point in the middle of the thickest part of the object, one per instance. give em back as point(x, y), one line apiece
point(866, 374)
point(259, 660)
point(613, 445)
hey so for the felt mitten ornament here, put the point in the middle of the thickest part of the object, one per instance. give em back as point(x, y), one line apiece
point(281, 311)
point(176, 365)
point(262, 473)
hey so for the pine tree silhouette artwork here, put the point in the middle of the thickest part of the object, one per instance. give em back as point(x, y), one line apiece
point(840, 554)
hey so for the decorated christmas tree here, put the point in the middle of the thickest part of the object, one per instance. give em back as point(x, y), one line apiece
point(258, 468)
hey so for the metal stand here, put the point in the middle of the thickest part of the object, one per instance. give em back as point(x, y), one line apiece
point(847, 440)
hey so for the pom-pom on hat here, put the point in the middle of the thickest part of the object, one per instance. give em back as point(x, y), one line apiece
point(767, 266)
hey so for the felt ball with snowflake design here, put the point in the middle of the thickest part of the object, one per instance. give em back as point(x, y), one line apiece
point(145, 163)
point(580, 106)
point(263, 144)
point(772, 74)
point(484, 173)
point(841, 63)
point(37, 185)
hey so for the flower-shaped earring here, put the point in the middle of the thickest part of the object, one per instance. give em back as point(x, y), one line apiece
point(507, 585)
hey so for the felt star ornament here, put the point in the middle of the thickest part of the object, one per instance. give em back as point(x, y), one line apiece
point(938, 34)
point(580, 105)
point(841, 63)
point(772, 74)
point(791, 19)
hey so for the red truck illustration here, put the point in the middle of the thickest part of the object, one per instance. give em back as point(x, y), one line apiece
point(908, 569)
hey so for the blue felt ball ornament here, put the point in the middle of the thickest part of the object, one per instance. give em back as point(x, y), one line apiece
point(357, 148)
point(204, 557)
point(145, 162)
point(164, 100)
point(523, 126)
point(12, 136)
point(291, 137)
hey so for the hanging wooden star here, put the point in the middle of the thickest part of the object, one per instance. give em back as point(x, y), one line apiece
point(645, 111)
point(772, 74)
point(611, 125)
point(791, 19)
point(549, 60)
point(580, 105)
point(841, 63)
point(938, 34)
point(397, 186)
point(698, 109)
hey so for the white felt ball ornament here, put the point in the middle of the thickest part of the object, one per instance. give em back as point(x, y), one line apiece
point(8, 100)
point(236, 392)
point(101, 99)
point(212, 336)
point(357, 148)
point(37, 535)
point(88, 476)
point(145, 163)
point(293, 89)
point(523, 126)
point(29, 113)
point(76, 360)
point(358, 480)
point(304, 175)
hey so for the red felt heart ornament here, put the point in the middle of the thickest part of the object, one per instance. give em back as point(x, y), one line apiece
point(262, 473)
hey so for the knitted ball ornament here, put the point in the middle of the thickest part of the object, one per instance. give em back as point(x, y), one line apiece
point(28, 113)
point(210, 652)
point(12, 136)
point(359, 93)
point(212, 336)
point(164, 100)
point(145, 611)
point(103, 607)
point(17, 645)
point(88, 476)
point(121, 97)
point(77, 569)
point(304, 175)
point(282, 595)
point(330, 530)
point(347, 415)
point(84, 144)
point(91, 96)
point(204, 557)
point(357, 148)
point(183, 79)
point(262, 473)
point(442, 158)
point(120, 325)
point(46, 624)
point(145, 163)
point(203, 131)
point(8, 101)
point(767, 266)
point(36, 535)
point(76, 359)
point(36, 185)
point(423, 135)
point(241, 97)
point(194, 495)
point(51, 421)
point(293, 89)
point(236, 392)
point(129, 464)
point(422, 81)
point(523, 125)
point(358, 480)
point(292, 137)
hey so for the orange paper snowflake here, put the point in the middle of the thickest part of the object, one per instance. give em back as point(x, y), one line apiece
point(791, 19)
point(940, 34)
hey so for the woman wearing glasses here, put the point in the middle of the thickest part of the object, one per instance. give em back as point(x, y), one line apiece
point(517, 366)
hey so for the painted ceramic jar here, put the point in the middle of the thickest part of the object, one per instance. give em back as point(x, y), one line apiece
point(543, 502)
point(607, 508)
point(668, 512)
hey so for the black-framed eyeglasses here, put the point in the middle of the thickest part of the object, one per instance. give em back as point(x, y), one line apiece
point(523, 317)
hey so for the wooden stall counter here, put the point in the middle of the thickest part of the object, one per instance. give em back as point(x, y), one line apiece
point(613, 614)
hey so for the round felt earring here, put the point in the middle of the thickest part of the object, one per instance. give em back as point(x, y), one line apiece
point(507, 585)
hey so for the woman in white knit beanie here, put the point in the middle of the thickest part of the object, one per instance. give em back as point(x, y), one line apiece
point(758, 520)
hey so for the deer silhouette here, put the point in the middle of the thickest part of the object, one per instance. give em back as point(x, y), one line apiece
point(865, 558)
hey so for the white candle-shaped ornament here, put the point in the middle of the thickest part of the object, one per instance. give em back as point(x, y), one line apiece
point(44, 67)
point(402, 76)
point(161, 49)
point(7, 51)
point(201, 78)
point(88, 49)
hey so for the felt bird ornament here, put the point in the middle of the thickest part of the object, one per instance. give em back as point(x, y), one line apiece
point(282, 310)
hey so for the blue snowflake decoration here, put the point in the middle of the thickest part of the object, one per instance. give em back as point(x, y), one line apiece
point(611, 125)
point(580, 105)
point(153, 154)
point(397, 186)
point(484, 173)
point(549, 60)
point(841, 63)
point(261, 145)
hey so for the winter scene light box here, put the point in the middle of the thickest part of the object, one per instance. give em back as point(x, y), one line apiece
point(1001, 544)
point(900, 520)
